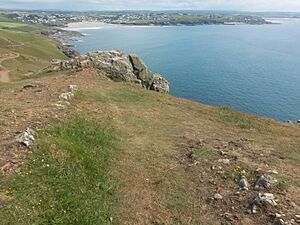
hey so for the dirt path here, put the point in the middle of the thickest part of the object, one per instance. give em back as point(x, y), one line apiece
point(4, 74)
point(11, 43)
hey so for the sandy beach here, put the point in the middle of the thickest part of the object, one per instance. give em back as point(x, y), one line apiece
point(88, 25)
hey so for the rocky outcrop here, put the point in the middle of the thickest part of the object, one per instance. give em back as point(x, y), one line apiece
point(69, 52)
point(117, 66)
point(159, 84)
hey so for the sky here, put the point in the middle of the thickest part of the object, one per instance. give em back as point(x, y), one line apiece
point(245, 5)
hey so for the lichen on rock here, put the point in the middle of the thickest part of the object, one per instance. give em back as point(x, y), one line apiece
point(26, 137)
point(117, 66)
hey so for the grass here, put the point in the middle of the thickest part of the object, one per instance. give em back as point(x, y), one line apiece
point(16, 26)
point(68, 178)
point(206, 153)
point(35, 53)
point(127, 96)
point(241, 120)
point(286, 181)
point(11, 25)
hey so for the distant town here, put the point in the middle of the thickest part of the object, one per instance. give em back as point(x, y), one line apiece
point(148, 18)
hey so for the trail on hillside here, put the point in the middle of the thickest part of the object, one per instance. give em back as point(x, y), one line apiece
point(11, 44)
point(4, 77)
point(4, 73)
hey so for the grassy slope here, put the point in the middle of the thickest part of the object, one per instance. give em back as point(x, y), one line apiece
point(84, 172)
point(76, 155)
point(35, 51)
point(144, 179)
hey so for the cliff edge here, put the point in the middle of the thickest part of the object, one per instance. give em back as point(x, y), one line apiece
point(117, 66)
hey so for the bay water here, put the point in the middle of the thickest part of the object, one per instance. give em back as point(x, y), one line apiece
point(251, 68)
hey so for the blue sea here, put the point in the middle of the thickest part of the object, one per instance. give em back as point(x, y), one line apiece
point(251, 68)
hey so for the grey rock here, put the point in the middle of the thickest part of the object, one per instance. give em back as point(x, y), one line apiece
point(66, 96)
point(140, 69)
point(254, 209)
point(26, 137)
point(266, 182)
point(218, 197)
point(266, 199)
point(224, 161)
point(159, 84)
point(73, 88)
point(244, 183)
point(117, 66)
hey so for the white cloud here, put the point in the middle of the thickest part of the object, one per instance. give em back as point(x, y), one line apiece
point(259, 5)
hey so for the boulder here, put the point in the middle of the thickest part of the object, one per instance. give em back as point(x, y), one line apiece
point(159, 84)
point(266, 182)
point(117, 66)
point(26, 138)
point(266, 199)
point(140, 69)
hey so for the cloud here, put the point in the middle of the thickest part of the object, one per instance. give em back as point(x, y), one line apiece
point(251, 5)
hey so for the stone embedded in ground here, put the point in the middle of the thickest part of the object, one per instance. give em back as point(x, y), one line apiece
point(266, 199)
point(218, 197)
point(266, 182)
point(229, 216)
point(273, 172)
point(244, 183)
point(278, 221)
point(254, 209)
point(73, 88)
point(26, 138)
point(224, 161)
point(66, 96)
point(226, 223)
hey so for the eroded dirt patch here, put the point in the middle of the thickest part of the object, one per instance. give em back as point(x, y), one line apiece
point(4, 76)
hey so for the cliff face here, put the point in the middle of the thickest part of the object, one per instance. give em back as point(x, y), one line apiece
point(117, 66)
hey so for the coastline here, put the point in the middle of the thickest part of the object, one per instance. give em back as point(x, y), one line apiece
point(283, 20)
point(87, 25)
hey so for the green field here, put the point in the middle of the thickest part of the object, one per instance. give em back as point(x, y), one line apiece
point(34, 51)
point(4, 25)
